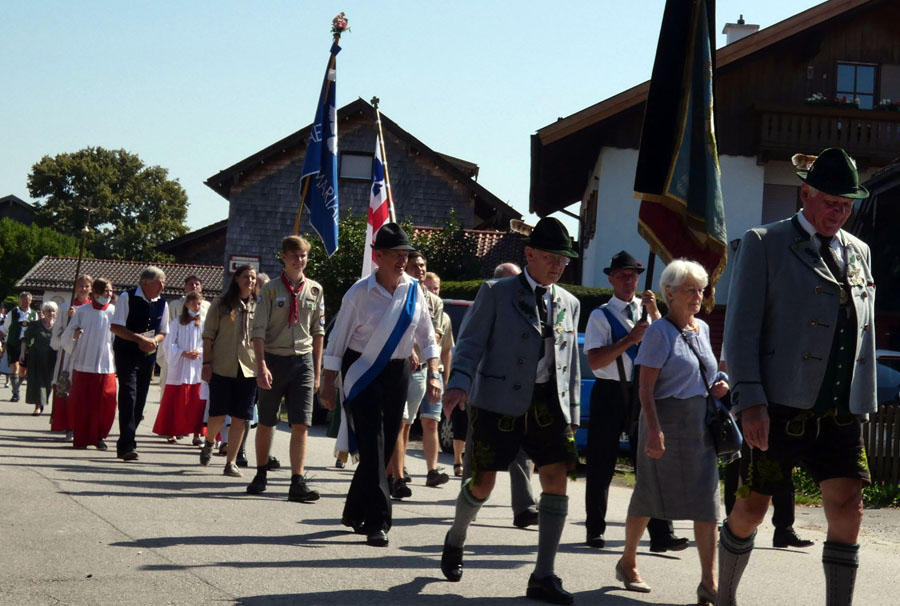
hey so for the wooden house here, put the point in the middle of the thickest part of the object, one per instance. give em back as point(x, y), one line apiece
point(263, 189)
point(792, 87)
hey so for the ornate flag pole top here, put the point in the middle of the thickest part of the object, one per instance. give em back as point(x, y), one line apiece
point(339, 25)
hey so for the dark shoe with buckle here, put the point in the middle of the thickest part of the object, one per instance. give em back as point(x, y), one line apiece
point(526, 518)
point(273, 464)
point(597, 541)
point(241, 459)
point(788, 538)
point(669, 543)
point(436, 477)
point(101, 445)
point(548, 589)
point(378, 538)
point(206, 453)
point(257, 485)
point(129, 456)
point(300, 492)
point(399, 489)
point(451, 561)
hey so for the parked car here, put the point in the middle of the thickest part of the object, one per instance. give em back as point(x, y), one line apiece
point(456, 309)
point(887, 376)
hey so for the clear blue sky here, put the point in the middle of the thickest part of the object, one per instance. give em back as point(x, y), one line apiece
point(197, 86)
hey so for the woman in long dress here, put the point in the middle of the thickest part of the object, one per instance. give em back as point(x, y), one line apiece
point(183, 401)
point(41, 358)
point(677, 475)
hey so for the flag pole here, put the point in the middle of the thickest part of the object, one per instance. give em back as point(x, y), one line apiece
point(63, 382)
point(384, 162)
point(331, 62)
point(648, 279)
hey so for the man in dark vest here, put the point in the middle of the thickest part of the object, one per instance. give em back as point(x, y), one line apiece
point(800, 346)
point(139, 325)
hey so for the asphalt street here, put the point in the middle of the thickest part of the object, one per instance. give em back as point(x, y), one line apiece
point(81, 527)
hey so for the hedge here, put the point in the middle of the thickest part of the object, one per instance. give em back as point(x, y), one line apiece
point(590, 297)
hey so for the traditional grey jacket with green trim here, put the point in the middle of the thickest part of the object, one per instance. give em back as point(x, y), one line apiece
point(496, 356)
point(780, 320)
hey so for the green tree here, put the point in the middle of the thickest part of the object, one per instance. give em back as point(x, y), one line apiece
point(133, 207)
point(21, 246)
point(450, 252)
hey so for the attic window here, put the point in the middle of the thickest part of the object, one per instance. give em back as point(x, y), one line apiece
point(857, 81)
point(356, 166)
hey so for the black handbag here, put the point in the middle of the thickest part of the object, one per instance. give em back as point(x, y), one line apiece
point(726, 434)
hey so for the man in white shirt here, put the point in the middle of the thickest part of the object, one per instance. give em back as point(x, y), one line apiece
point(370, 345)
point(139, 326)
point(611, 339)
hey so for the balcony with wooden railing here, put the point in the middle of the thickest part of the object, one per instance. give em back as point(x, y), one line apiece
point(869, 135)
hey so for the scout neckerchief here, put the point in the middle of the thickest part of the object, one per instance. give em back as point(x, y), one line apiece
point(293, 314)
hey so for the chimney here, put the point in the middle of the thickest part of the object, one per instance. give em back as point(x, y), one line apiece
point(736, 31)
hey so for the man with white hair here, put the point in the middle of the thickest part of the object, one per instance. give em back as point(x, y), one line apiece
point(800, 345)
point(139, 325)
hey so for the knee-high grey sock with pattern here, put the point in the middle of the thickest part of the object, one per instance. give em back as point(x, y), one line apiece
point(15, 381)
point(467, 507)
point(552, 511)
point(734, 553)
point(840, 561)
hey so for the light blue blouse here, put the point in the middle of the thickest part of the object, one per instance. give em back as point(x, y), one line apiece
point(679, 376)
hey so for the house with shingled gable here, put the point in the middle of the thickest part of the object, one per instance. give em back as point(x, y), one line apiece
point(263, 189)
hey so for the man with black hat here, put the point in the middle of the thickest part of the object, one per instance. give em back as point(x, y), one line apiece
point(370, 346)
point(800, 345)
point(516, 367)
point(611, 340)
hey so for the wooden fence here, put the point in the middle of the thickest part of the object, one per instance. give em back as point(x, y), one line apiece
point(882, 437)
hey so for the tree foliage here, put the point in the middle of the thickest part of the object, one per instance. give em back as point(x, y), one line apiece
point(449, 251)
point(21, 246)
point(450, 254)
point(134, 207)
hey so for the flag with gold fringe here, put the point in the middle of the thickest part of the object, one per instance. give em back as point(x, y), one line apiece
point(678, 178)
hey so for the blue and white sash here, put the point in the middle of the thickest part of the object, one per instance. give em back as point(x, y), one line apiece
point(619, 331)
point(376, 356)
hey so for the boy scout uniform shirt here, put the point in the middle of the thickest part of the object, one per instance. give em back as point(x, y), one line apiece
point(229, 352)
point(273, 311)
point(444, 336)
point(435, 311)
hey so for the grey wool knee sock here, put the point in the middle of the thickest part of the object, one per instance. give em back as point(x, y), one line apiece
point(14, 382)
point(552, 511)
point(840, 561)
point(734, 553)
point(467, 507)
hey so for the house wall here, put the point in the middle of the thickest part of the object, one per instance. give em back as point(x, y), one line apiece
point(617, 211)
point(743, 182)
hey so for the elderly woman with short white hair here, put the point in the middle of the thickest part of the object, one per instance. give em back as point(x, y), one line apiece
point(677, 473)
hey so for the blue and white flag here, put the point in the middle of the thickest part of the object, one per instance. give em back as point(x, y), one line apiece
point(318, 179)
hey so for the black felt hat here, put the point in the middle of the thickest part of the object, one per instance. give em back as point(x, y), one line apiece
point(834, 172)
point(622, 260)
point(391, 237)
point(550, 235)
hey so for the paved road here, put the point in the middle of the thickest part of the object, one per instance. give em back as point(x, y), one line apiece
point(81, 527)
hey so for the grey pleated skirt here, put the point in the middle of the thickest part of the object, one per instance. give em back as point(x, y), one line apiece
point(684, 483)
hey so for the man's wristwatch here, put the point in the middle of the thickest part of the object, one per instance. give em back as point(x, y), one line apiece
point(435, 375)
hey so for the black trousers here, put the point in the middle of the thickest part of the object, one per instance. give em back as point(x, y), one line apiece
point(610, 416)
point(134, 374)
point(377, 413)
point(782, 503)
